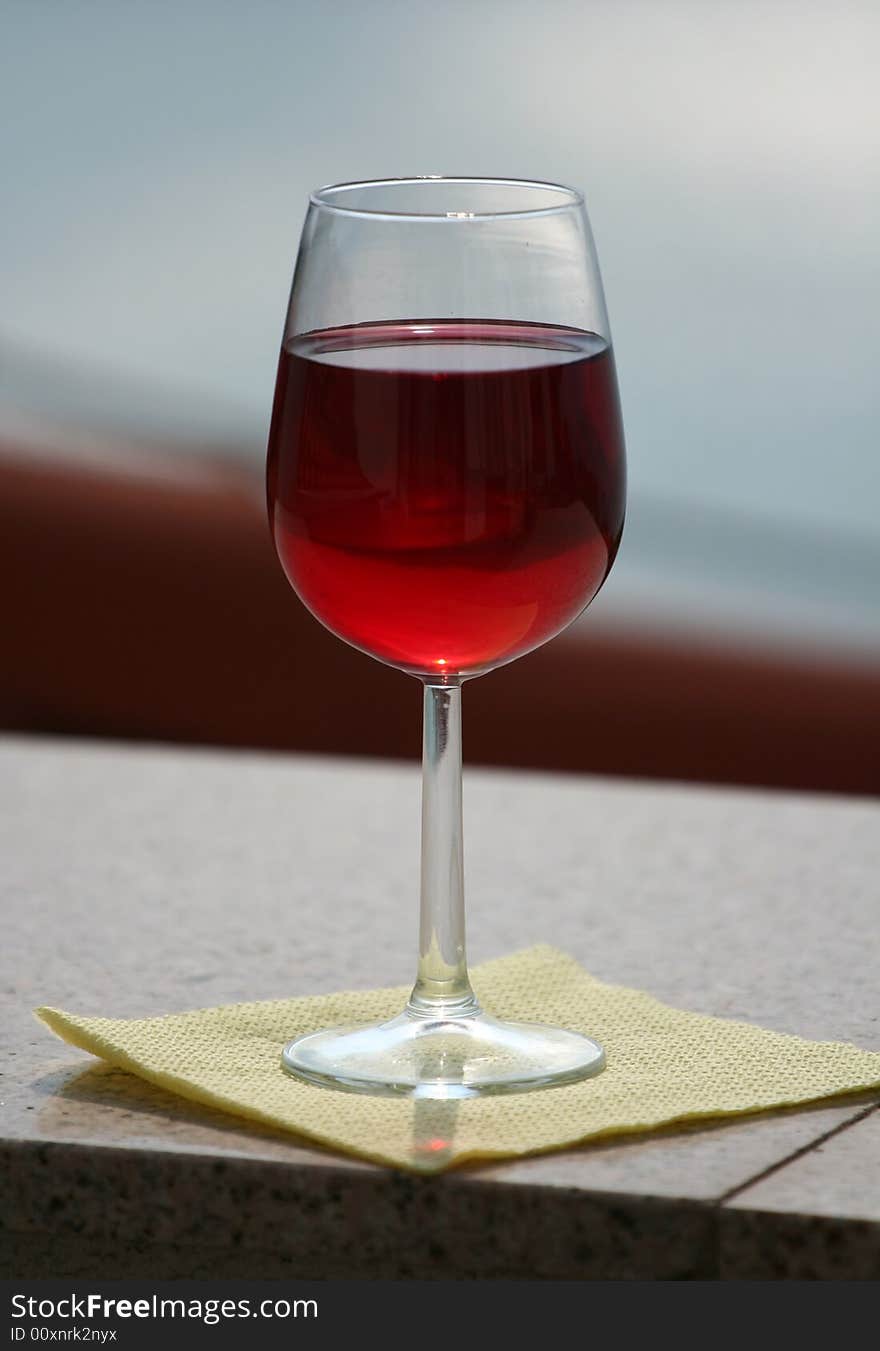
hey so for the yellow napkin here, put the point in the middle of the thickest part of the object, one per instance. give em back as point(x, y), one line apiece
point(664, 1065)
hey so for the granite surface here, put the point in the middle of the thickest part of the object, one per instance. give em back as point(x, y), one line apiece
point(146, 880)
point(816, 1217)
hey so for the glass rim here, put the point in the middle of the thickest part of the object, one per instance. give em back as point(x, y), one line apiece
point(321, 198)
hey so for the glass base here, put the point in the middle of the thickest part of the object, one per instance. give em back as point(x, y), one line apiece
point(436, 1057)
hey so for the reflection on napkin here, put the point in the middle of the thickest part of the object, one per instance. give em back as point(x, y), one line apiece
point(664, 1065)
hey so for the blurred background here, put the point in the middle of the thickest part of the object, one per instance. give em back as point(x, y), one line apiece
point(157, 160)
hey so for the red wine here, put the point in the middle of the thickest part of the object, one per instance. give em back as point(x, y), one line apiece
point(446, 495)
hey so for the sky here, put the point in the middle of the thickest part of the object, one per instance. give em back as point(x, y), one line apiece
point(157, 159)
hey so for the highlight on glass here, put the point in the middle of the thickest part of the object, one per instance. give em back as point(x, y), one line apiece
point(446, 487)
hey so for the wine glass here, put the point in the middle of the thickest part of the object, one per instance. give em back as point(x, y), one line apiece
point(446, 487)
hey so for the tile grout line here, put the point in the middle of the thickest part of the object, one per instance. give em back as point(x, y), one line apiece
point(723, 1199)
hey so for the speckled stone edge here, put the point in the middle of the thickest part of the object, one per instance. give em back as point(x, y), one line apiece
point(73, 1209)
point(762, 1245)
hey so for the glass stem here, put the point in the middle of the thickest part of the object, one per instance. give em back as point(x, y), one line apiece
point(442, 988)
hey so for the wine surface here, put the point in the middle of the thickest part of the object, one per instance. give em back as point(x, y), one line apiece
point(446, 495)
